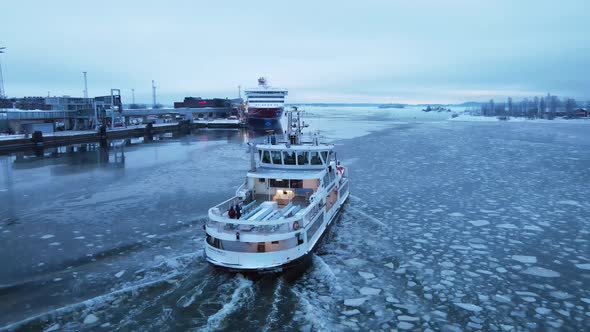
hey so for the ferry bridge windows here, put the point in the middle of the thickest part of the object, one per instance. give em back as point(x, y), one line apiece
point(266, 157)
point(302, 157)
point(276, 157)
point(295, 157)
point(289, 158)
point(315, 158)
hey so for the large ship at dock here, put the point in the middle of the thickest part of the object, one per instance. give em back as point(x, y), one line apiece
point(264, 103)
point(293, 193)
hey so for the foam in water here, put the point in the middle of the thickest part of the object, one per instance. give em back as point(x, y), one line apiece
point(272, 317)
point(369, 217)
point(241, 293)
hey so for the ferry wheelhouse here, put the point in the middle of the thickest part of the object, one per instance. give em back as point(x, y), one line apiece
point(290, 197)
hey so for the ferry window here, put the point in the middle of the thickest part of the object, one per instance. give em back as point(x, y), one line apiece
point(302, 158)
point(331, 156)
point(279, 183)
point(260, 154)
point(325, 156)
point(315, 159)
point(289, 158)
point(276, 157)
point(296, 183)
point(266, 157)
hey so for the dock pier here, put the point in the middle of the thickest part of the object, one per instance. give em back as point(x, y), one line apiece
point(39, 140)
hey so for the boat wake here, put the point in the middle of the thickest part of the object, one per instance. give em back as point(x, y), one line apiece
point(316, 296)
point(243, 292)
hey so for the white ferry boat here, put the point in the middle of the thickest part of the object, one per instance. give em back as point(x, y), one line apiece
point(291, 195)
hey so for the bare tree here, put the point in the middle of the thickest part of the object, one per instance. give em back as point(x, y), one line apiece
point(542, 107)
point(570, 107)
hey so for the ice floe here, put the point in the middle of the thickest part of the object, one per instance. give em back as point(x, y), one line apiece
point(560, 295)
point(405, 326)
point(507, 226)
point(542, 311)
point(583, 266)
point(525, 259)
point(47, 236)
point(541, 272)
point(366, 275)
point(355, 302)
point(355, 262)
point(391, 299)
point(533, 228)
point(408, 318)
point(90, 319)
point(569, 202)
point(350, 312)
point(468, 306)
point(479, 223)
point(369, 291)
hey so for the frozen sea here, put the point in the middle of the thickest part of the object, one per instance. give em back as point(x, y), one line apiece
point(451, 226)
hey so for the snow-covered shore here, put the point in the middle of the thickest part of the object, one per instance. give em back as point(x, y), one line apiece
point(476, 118)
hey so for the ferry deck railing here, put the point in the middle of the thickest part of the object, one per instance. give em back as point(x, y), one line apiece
point(272, 221)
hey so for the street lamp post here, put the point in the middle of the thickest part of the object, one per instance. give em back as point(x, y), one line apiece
point(2, 92)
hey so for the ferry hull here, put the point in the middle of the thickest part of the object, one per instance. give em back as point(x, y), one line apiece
point(265, 124)
point(301, 262)
point(274, 113)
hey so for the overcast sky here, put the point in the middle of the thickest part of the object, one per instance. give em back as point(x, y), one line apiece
point(413, 51)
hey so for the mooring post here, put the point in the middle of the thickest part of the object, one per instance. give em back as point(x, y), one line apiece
point(102, 136)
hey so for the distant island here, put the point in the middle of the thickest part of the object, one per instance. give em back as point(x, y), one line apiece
point(390, 105)
point(547, 107)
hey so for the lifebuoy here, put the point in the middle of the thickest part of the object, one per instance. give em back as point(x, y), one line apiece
point(296, 225)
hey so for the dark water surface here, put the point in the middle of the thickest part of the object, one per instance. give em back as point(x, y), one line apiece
point(451, 226)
